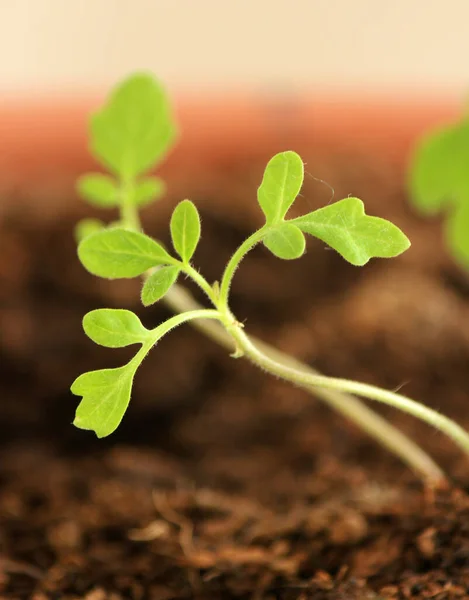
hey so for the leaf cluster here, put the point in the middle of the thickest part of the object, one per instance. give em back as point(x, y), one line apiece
point(129, 136)
point(342, 225)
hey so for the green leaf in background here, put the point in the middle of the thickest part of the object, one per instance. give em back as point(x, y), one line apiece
point(356, 236)
point(86, 227)
point(439, 180)
point(120, 253)
point(114, 328)
point(457, 232)
point(439, 169)
point(106, 396)
point(99, 190)
point(286, 241)
point(135, 128)
point(159, 282)
point(185, 229)
point(281, 184)
point(147, 190)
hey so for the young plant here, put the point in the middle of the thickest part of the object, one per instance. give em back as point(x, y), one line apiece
point(130, 135)
point(439, 183)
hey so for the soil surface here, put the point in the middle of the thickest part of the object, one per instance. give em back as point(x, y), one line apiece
point(223, 482)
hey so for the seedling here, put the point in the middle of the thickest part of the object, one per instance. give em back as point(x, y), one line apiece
point(129, 136)
point(439, 183)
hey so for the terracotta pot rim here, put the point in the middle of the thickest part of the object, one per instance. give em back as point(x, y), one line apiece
point(46, 136)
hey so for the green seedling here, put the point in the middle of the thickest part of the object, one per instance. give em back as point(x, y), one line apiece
point(130, 135)
point(439, 183)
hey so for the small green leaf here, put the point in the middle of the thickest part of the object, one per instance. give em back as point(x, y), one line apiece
point(159, 282)
point(286, 241)
point(120, 253)
point(86, 227)
point(114, 328)
point(185, 229)
point(283, 178)
point(149, 189)
point(356, 236)
point(457, 233)
point(439, 168)
point(135, 129)
point(106, 396)
point(99, 190)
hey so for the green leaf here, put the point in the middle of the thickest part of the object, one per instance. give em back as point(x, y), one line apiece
point(147, 190)
point(99, 190)
point(185, 229)
point(159, 282)
point(439, 169)
point(120, 253)
point(356, 236)
point(86, 227)
point(457, 233)
point(135, 129)
point(286, 241)
point(283, 178)
point(106, 396)
point(114, 328)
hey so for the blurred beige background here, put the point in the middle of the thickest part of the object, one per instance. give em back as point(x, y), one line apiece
point(57, 45)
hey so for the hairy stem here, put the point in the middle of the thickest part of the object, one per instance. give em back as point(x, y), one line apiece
point(201, 282)
point(179, 299)
point(302, 379)
point(183, 317)
point(161, 330)
point(235, 260)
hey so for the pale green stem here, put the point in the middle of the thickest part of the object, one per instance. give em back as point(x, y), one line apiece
point(180, 300)
point(144, 350)
point(161, 330)
point(302, 379)
point(201, 282)
point(189, 315)
point(235, 260)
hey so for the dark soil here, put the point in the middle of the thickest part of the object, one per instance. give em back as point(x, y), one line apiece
point(222, 482)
